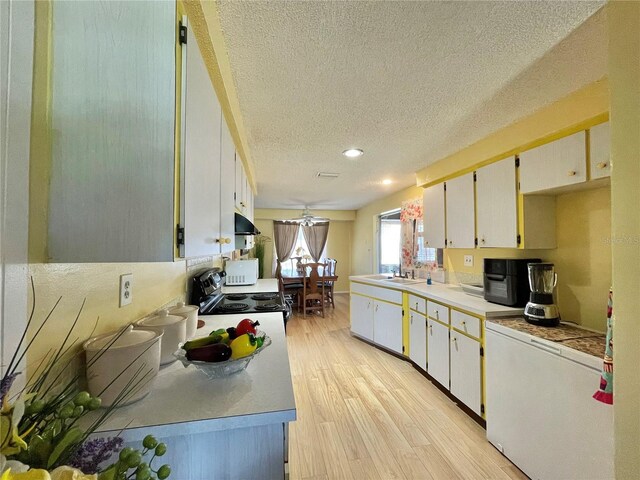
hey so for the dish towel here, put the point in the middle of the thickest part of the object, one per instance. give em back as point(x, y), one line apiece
point(605, 392)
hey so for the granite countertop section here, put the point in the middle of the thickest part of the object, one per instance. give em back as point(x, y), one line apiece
point(583, 340)
point(448, 294)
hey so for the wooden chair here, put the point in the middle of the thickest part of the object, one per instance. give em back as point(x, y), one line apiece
point(328, 284)
point(313, 292)
point(288, 289)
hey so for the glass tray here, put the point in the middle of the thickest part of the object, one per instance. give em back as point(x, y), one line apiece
point(222, 369)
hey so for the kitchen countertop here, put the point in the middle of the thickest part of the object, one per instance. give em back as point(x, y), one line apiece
point(580, 339)
point(263, 285)
point(184, 401)
point(446, 293)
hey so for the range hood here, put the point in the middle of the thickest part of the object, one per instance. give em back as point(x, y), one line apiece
point(244, 226)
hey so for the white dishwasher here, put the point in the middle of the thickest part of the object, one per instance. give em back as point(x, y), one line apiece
point(540, 410)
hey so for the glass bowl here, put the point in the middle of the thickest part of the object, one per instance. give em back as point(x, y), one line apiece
point(221, 369)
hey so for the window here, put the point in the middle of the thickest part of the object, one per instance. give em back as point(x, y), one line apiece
point(390, 242)
point(301, 250)
point(390, 245)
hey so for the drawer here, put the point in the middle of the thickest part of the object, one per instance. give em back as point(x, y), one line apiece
point(438, 312)
point(465, 323)
point(418, 304)
point(386, 294)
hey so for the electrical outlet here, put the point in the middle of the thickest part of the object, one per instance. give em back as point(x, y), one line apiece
point(468, 260)
point(126, 289)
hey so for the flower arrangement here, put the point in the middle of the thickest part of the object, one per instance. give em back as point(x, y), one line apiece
point(40, 433)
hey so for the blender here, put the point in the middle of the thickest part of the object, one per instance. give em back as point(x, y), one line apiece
point(541, 310)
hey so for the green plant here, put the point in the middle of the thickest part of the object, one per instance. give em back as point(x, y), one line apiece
point(259, 251)
point(39, 425)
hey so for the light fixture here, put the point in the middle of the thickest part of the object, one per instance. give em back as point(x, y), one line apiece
point(386, 181)
point(353, 153)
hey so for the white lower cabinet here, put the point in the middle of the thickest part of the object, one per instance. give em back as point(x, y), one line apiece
point(438, 352)
point(466, 373)
point(418, 339)
point(362, 316)
point(387, 325)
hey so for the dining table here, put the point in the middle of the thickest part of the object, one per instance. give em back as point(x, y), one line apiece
point(294, 276)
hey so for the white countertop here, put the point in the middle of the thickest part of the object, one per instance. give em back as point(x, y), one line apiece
point(184, 401)
point(446, 293)
point(263, 285)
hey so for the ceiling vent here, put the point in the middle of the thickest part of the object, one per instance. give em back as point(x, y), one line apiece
point(327, 175)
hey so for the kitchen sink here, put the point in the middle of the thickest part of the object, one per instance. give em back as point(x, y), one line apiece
point(378, 277)
point(402, 280)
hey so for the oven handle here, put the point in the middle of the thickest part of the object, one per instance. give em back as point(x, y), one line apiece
point(493, 276)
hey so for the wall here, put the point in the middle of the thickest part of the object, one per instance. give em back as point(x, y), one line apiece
point(338, 240)
point(582, 258)
point(624, 74)
point(363, 245)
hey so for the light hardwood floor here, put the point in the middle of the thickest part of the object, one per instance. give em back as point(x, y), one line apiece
point(364, 414)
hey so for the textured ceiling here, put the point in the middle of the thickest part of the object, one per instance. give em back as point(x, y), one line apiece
point(408, 82)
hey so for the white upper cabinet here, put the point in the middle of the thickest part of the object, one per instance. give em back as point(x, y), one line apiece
point(555, 164)
point(241, 186)
point(600, 151)
point(433, 216)
point(460, 212)
point(111, 196)
point(496, 204)
point(227, 190)
point(202, 157)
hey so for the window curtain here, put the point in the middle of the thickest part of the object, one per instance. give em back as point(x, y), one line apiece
point(316, 237)
point(285, 235)
point(410, 215)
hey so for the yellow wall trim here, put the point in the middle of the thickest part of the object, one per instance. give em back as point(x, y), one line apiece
point(580, 110)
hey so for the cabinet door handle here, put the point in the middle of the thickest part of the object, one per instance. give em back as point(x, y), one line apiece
point(437, 314)
point(411, 317)
point(482, 239)
point(377, 307)
point(464, 324)
point(601, 165)
point(455, 342)
point(571, 173)
point(416, 305)
point(431, 330)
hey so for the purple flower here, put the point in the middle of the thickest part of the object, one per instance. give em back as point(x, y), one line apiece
point(92, 453)
point(5, 385)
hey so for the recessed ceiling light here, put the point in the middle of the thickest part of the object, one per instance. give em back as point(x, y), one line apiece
point(386, 181)
point(353, 153)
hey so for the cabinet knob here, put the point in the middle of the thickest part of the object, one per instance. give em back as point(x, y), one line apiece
point(602, 165)
point(571, 173)
point(450, 242)
point(227, 240)
point(242, 204)
point(482, 240)
point(464, 324)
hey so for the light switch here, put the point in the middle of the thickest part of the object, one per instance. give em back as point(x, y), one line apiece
point(468, 260)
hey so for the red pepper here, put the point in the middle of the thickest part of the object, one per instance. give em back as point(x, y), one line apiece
point(246, 326)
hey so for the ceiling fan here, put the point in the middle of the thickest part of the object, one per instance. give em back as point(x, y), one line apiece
point(307, 218)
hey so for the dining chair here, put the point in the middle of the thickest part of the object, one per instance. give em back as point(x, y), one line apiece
point(288, 289)
point(313, 291)
point(329, 284)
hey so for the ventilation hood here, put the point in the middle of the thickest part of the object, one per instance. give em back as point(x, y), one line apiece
point(244, 226)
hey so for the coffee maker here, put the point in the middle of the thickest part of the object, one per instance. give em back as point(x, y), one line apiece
point(541, 310)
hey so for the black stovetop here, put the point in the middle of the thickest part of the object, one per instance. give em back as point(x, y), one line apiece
point(221, 304)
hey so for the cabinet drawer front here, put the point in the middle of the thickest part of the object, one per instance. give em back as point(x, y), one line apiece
point(438, 312)
point(465, 323)
point(418, 304)
point(386, 294)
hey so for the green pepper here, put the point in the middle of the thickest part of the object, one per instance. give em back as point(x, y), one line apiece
point(259, 341)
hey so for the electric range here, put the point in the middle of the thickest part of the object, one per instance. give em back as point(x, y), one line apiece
point(207, 294)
